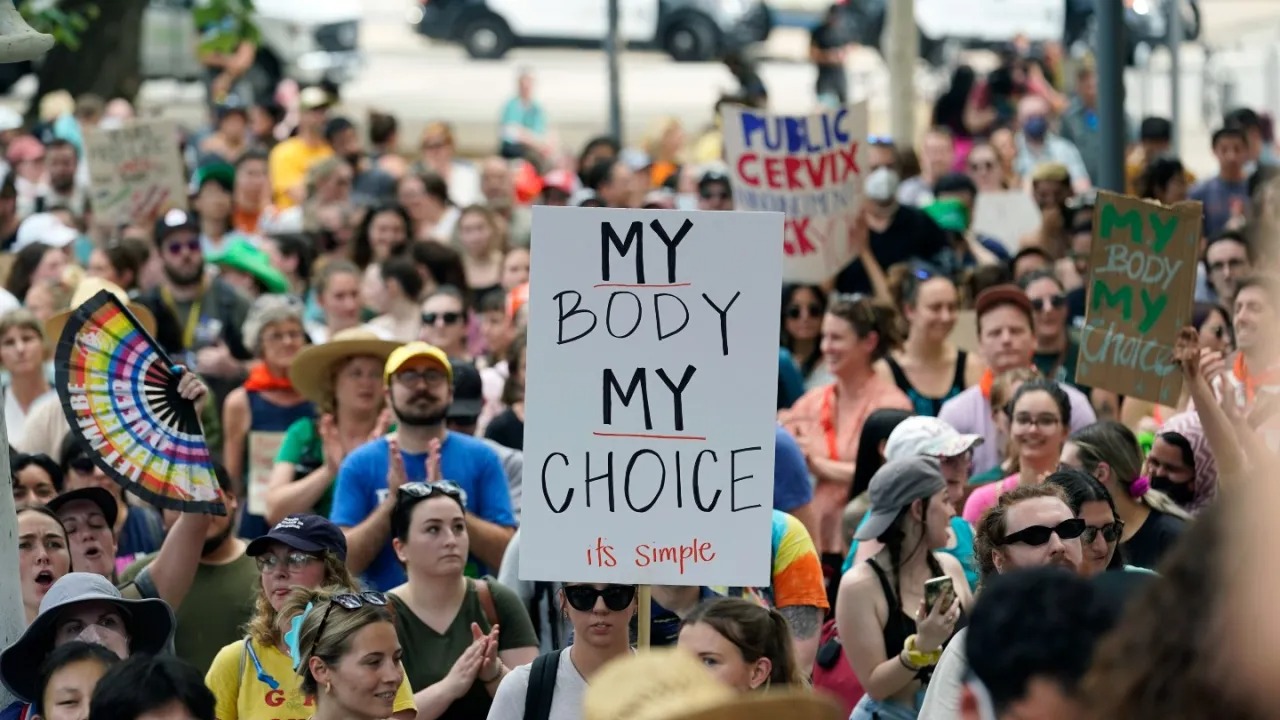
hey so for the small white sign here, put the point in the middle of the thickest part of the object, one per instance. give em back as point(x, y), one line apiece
point(651, 396)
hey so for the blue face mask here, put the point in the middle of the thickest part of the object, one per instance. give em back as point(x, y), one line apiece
point(1036, 127)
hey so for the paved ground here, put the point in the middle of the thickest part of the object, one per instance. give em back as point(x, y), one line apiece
point(421, 81)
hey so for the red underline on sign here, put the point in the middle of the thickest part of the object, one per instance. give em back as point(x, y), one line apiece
point(649, 436)
point(642, 285)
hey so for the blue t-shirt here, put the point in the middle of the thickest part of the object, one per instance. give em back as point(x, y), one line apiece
point(1217, 195)
point(464, 460)
point(791, 487)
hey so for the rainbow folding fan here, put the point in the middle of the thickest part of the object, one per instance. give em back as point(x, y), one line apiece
point(120, 395)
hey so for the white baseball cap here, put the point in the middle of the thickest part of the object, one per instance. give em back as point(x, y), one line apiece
point(44, 228)
point(920, 435)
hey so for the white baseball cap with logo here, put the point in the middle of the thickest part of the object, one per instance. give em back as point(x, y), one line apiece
point(920, 435)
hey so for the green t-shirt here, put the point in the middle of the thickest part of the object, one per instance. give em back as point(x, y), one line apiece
point(428, 655)
point(303, 449)
point(984, 478)
point(1061, 367)
point(215, 610)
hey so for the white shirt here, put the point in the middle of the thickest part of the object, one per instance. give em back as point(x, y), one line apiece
point(15, 418)
point(566, 702)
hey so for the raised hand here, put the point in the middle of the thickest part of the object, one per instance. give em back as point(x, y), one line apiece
point(331, 443)
point(396, 476)
point(433, 462)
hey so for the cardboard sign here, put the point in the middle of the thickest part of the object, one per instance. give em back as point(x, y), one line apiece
point(1005, 216)
point(1141, 289)
point(263, 448)
point(136, 166)
point(810, 168)
point(650, 399)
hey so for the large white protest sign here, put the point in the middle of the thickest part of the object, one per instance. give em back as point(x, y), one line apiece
point(135, 167)
point(651, 392)
point(809, 167)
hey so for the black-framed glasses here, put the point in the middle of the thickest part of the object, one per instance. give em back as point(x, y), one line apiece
point(1052, 302)
point(795, 312)
point(346, 601)
point(1109, 532)
point(583, 597)
point(449, 318)
point(1037, 535)
point(429, 376)
point(294, 561)
point(419, 490)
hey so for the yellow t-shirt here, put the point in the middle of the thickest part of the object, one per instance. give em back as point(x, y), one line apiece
point(288, 164)
point(242, 696)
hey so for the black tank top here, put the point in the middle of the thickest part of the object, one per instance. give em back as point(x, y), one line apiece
point(921, 403)
point(899, 625)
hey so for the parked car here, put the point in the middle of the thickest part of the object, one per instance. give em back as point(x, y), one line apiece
point(688, 30)
point(308, 41)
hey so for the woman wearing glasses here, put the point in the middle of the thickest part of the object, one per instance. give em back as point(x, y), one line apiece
point(802, 310)
point(1040, 415)
point(257, 414)
point(827, 421)
point(1090, 501)
point(928, 367)
point(601, 616)
point(253, 679)
point(1152, 521)
point(461, 636)
point(346, 657)
point(445, 322)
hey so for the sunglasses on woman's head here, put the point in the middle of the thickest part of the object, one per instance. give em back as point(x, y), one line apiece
point(1038, 535)
point(1110, 532)
point(583, 597)
point(426, 490)
point(347, 601)
point(795, 312)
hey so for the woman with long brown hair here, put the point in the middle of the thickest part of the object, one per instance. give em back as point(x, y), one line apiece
point(745, 645)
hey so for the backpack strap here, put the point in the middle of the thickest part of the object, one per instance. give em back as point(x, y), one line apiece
point(244, 656)
point(485, 595)
point(542, 686)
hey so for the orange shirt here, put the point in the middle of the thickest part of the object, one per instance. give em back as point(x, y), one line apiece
point(816, 414)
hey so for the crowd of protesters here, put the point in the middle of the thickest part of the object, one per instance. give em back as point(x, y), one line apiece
point(960, 529)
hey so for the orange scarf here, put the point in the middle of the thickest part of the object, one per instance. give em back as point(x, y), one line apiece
point(1251, 381)
point(261, 380)
point(986, 382)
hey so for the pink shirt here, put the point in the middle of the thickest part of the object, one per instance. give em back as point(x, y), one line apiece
point(985, 497)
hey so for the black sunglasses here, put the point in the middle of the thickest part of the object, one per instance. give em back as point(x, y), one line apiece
point(426, 490)
point(1110, 532)
point(795, 312)
point(1037, 535)
point(347, 601)
point(1053, 302)
point(711, 195)
point(449, 318)
point(583, 597)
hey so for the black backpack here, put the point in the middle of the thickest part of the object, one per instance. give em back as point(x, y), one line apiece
point(542, 686)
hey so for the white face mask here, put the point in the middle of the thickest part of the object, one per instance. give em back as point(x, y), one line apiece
point(881, 185)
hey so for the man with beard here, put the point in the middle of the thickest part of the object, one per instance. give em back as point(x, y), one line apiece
point(61, 162)
point(1030, 526)
point(197, 318)
point(221, 598)
point(371, 185)
point(419, 391)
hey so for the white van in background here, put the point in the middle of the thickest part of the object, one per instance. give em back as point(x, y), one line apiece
point(688, 30)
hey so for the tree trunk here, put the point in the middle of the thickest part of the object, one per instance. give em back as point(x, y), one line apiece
point(108, 62)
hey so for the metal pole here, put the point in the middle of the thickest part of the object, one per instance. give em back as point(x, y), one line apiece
point(613, 48)
point(13, 620)
point(1176, 37)
point(1111, 94)
point(903, 51)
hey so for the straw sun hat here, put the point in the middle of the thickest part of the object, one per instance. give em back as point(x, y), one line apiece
point(312, 371)
point(670, 684)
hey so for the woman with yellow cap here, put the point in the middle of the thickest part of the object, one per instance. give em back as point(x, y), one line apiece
point(343, 378)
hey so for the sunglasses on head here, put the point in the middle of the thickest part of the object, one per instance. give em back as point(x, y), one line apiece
point(583, 597)
point(426, 490)
point(880, 140)
point(1110, 532)
point(449, 318)
point(1038, 535)
point(346, 601)
point(1053, 302)
point(795, 312)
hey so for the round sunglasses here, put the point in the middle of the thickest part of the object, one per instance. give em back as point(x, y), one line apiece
point(1109, 532)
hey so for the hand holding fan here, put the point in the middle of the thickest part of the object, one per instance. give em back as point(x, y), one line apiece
point(119, 392)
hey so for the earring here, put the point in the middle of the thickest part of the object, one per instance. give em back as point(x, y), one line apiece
point(328, 688)
point(565, 614)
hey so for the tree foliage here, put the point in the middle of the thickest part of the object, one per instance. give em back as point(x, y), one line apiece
point(66, 26)
point(225, 24)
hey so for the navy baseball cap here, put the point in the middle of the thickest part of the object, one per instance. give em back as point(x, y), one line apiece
point(305, 532)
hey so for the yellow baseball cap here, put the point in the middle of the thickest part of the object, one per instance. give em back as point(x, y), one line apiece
point(416, 349)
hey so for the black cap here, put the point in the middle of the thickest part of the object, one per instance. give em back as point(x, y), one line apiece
point(174, 221)
point(305, 532)
point(468, 392)
point(96, 495)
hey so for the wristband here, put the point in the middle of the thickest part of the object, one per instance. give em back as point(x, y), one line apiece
point(920, 657)
point(497, 674)
point(902, 660)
